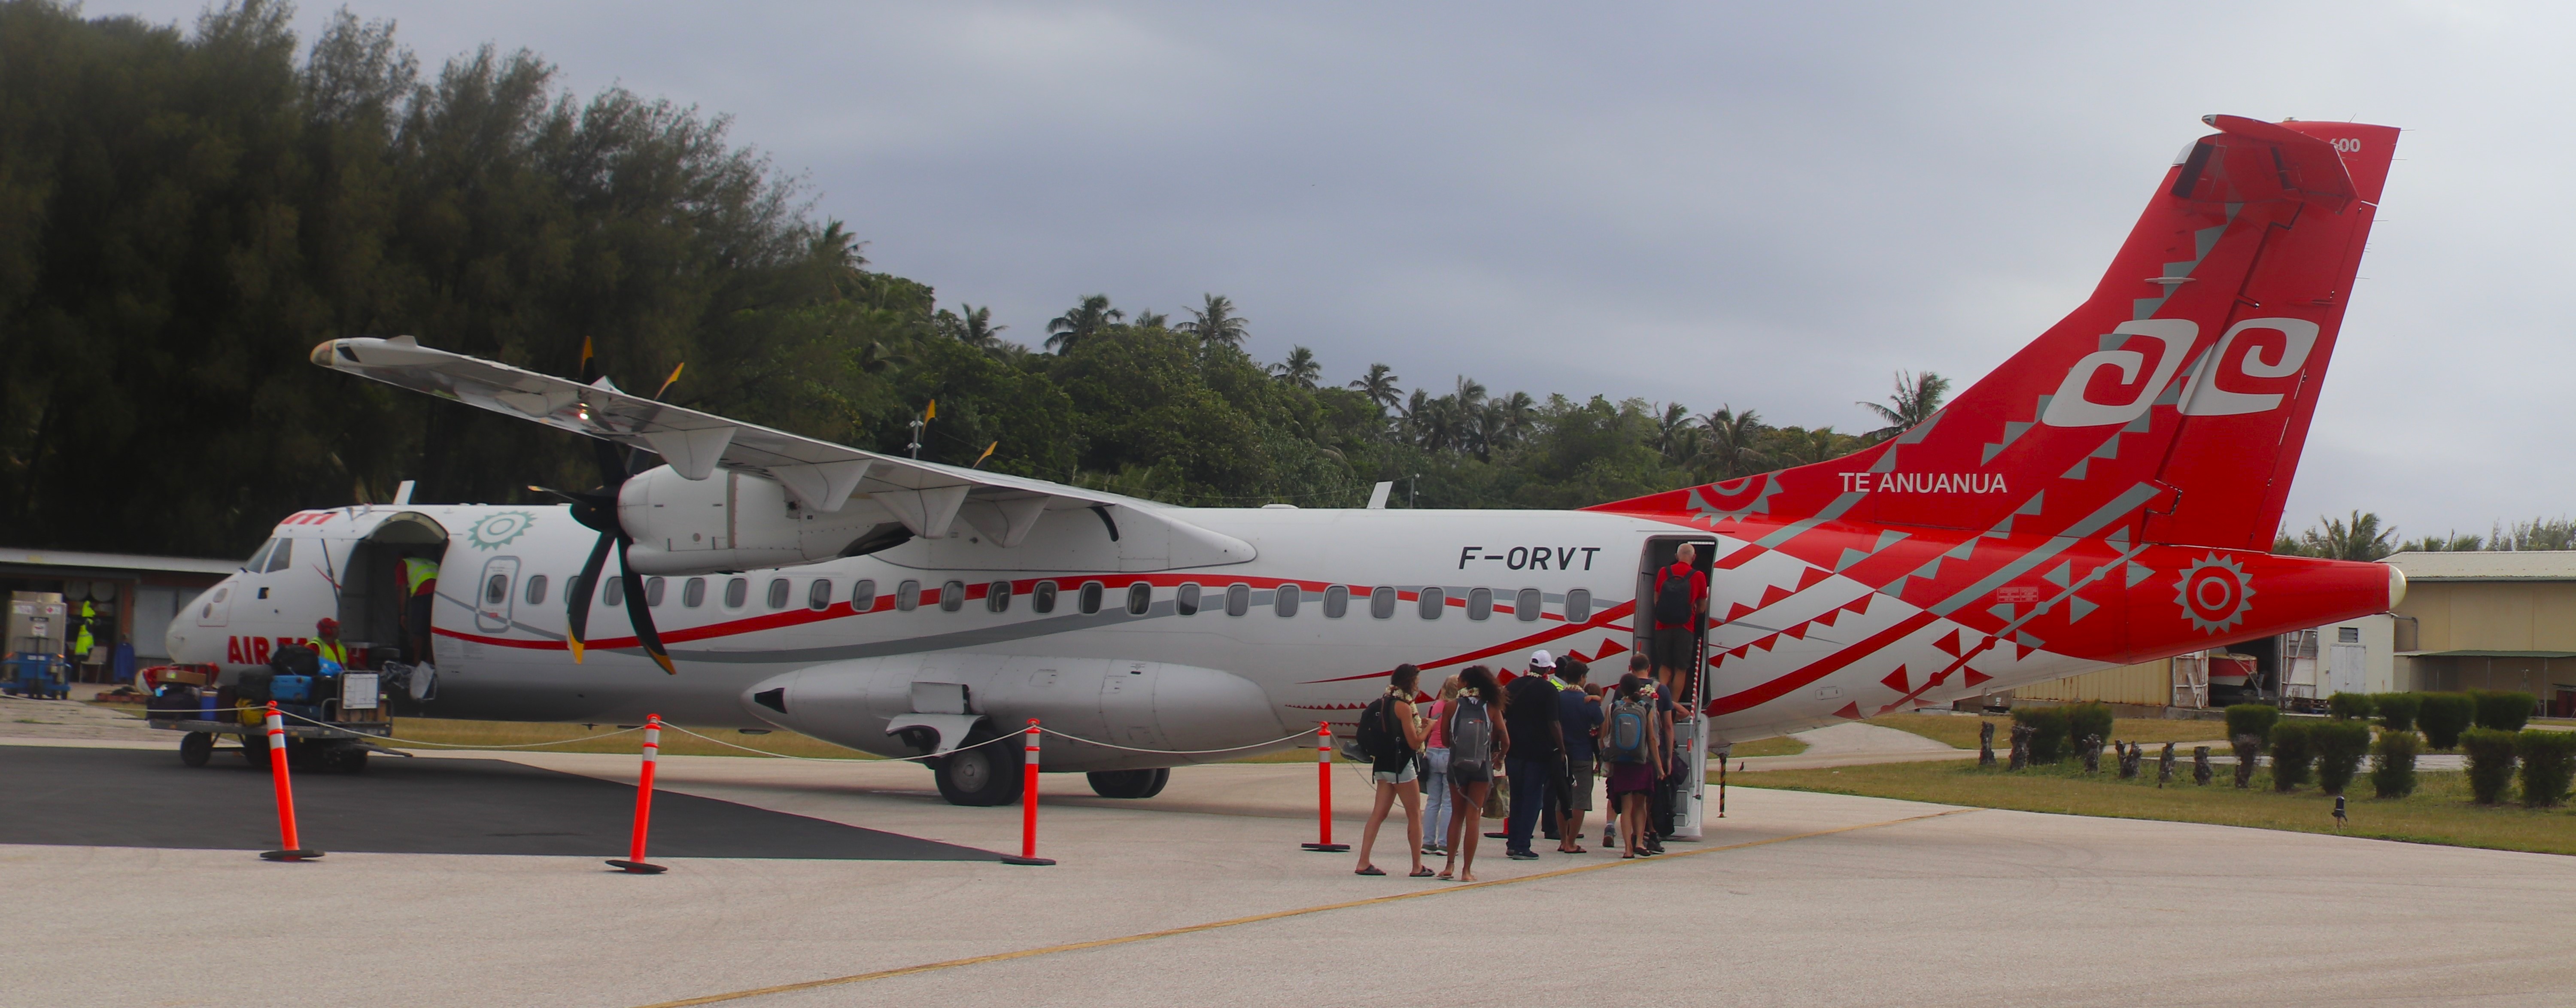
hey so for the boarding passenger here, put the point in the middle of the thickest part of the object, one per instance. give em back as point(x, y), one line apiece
point(1628, 744)
point(1437, 805)
point(1535, 763)
point(1477, 737)
point(1578, 722)
point(1681, 602)
point(1665, 799)
point(1398, 736)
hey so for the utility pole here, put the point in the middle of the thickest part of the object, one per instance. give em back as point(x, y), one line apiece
point(919, 421)
point(1413, 491)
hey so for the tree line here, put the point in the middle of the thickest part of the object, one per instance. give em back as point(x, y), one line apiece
point(2364, 536)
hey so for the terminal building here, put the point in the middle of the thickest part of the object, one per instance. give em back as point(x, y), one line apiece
point(2470, 620)
point(130, 600)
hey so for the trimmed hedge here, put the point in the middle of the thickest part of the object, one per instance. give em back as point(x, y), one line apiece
point(2252, 719)
point(2397, 710)
point(2349, 706)
point(2499, 710)
point(2048, 741)
point(2392, 764)
point(2548, 765)
point(2443, 716)
point(2091, 718)
point(2294, 754)
point(2490, 763)
point(2339, 745)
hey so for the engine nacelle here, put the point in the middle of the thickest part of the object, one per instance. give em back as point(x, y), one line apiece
point(1141, 705)
point(730, 521)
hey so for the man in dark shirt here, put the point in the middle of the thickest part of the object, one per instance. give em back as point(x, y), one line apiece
point(1538, 748)
point(1578, 718)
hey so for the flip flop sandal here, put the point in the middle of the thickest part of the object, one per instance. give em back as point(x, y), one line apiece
point(1370, 870)
point(1422, 873)
point(1578, 849)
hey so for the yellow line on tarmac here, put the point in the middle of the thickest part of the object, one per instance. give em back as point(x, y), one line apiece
point(887, 974)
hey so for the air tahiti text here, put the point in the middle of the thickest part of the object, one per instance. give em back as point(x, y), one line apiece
point(1530, 557)
point(1919, 482)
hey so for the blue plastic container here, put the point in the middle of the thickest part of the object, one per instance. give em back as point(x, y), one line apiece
point(291, 689)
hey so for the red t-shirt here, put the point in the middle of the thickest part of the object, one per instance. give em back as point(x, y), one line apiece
point(1699, 591)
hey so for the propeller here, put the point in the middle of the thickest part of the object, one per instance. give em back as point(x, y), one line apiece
point(596, 508)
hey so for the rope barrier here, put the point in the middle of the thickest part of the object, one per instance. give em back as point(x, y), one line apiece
point(821, 759)
point(1174, 752)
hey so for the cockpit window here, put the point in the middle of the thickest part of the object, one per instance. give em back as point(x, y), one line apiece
point(259, 557)
point(281, 556)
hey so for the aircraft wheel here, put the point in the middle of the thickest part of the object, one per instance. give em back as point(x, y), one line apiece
point(196, 748)
point(350, 759)
point(983, 775)
point(1129, 783)
point(254, 748)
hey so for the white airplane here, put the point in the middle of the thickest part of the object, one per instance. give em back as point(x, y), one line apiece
point(2108, 495)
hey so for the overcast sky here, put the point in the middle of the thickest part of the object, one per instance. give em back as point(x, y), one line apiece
point(1773, 206)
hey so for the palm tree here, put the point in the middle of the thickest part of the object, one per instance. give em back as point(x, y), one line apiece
point(2361, 539)
point(1299, 369)
point(1379, 386)
point(1085, 320)
point(1677, 433)
point(1732, 441)
point(1471, 393)
point(1819, 445)
point(1917, 398)
point(1501, 424)
point(975, 328)
point(1215, 322)
point(1151, 319)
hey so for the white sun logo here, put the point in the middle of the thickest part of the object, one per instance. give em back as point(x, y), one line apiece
point(2214, 594)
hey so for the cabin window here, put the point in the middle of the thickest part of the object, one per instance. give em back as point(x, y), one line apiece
point(778, 589)
point(1042, 597)
point(653, 593)
point(1382, 602)
point(1185, 599)
point(1480, 604)
point(737, 592)
point(1238, 599)
point(1525, 606)
point(863, 596)
point(536, 589)
point(907, 596)
point(819, 597)
point(614, 594)
point(952, 596)
point(281, 556)
point(1578, 605)
point(1140, 597)
point(997, 597)
point(1284, 602)
point(1337, 601)
point(1431, 602)
point(496, 589)
point(1088, 599)
point(693, 592)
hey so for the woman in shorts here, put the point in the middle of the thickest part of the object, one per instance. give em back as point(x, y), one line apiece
point(1473, 754)
point(1394, 771)
point(1632, 778)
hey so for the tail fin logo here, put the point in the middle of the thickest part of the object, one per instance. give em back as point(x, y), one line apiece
point(2073, 405)
point(2201, 396)
point(2215, 594)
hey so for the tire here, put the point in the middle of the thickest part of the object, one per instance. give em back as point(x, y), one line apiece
point(982, 776)
point(1129, 783)
point(196, 748)
point(254, 748)
point(349, 760)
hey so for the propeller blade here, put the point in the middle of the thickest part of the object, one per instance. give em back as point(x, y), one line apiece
point(667, 382)
point(584, 585)
point(639, 610)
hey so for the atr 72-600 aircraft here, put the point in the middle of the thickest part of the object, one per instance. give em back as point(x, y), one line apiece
point(2108, 495)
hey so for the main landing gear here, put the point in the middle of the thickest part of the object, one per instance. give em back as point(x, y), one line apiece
point(978, 774)
point(1129, 783)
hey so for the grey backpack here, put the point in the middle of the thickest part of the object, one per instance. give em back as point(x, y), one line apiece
point(1471, 736)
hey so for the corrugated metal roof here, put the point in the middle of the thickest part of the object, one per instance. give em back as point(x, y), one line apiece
point(2473, 653)
point(116, 561)
point(2518, 565)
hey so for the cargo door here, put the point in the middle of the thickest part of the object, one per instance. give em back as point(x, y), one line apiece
point(1127, 705)
point(492, 598)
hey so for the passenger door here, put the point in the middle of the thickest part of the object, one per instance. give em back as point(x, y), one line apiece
point(492, 594)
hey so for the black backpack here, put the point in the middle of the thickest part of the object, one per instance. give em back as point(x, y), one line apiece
point(1378, 737)
point(1673, 598)
point(296, 659)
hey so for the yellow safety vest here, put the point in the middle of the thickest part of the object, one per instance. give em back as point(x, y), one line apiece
point(418, 572)
point(332, 651)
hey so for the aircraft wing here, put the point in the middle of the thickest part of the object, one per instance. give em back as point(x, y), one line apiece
point(821, 475)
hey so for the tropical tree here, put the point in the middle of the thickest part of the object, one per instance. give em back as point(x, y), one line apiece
point(1731, 442)
point(1917, 397)
point(1676, 434)
point(1299, 369)
point(1379, 385)
point(1214, 322)
point(2453, 542)
point(1151, 319)
point(2360, 538)
point(972, 326)
point(1085, 320)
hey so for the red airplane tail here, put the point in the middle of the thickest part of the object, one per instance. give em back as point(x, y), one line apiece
point(2174, 401)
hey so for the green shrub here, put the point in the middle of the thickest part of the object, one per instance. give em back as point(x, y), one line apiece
point(2498, 710)
point(2048, 742)
point(2339, 745)
point(2294, 753)
point(2490, 763)
point(2548, 765)
point(2396, 710)
point(2443, 716)
point(2092, 718)
point(2392, 763)
point(2349, 706)
point(2252, 719)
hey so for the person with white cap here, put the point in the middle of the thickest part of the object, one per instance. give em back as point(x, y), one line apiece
point(1535, 762)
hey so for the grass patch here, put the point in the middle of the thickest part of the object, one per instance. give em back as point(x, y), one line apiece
point(1782, 746)
point(604, 739)
point(2438, 812)
point(1961, 732)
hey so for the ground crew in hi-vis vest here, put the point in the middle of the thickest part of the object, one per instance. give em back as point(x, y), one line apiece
point(327, 644)
point(420, 584)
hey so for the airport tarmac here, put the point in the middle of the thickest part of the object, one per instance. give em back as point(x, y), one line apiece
point(1201, 895)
